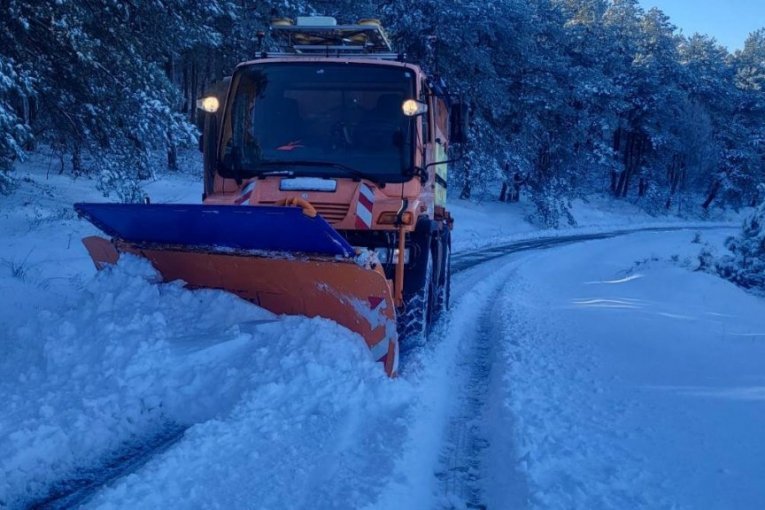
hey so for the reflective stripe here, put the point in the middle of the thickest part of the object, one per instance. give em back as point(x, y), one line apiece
point(364, 206)
point(365, 202)
point(245, 194)
point(380, 350)
point(367, 192)
point(365, 215)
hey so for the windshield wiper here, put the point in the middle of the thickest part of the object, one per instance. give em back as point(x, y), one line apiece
point(358, 174)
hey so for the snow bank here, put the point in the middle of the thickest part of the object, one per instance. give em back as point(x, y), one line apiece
point(130, 359)
point(315, 430)
point(483, 225)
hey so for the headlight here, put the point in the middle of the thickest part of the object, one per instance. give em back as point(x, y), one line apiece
point(209, 104)
point(411, 107)
point(382, 255)
point(390, 218)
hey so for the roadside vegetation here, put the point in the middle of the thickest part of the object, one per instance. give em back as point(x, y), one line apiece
point(569, 97)
point(745, 265)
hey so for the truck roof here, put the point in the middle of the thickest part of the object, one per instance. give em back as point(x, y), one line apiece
point(281, 58)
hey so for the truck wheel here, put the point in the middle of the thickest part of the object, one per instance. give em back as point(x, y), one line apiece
point(413, 321)
point(443, 294)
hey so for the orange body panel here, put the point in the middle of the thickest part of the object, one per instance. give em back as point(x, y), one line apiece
point(337, 207)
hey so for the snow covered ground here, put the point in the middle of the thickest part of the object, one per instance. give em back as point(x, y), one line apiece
point(632, 381)
point(481, 225)
point(600, 374)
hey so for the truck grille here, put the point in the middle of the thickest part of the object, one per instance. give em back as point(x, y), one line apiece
point(333, 213)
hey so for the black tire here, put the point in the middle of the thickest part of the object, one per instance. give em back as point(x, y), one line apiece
point(443, 293)
point(413, 321)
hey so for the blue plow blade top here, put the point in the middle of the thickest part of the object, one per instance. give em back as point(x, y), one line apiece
point(226, 227)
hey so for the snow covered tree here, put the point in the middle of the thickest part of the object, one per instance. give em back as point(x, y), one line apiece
point(750, 115)
point(751, 62)
point(570, 96)
point(738, 108)
point(14, 88)
point(746, 266)
point(100, 88)
point(478, 48)
point(705, 119)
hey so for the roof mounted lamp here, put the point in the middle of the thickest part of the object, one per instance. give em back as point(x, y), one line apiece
point(316, 21)
point(282, 22)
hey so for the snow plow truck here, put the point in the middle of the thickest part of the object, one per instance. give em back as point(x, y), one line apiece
point(325, 173)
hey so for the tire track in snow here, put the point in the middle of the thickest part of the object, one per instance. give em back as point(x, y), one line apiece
point(461, 473)
point(465, 440)
point(77, 490)
point(441, 371)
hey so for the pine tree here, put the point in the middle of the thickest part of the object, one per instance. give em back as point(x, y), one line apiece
point(15, 88)
point(746, 265)
point(100, 89)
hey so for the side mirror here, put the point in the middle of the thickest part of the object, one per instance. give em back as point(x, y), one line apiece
point(459, 121)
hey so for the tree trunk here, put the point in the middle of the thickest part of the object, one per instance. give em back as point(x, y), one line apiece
point(503, 192)
point(194, 92)
point(185, 86)
point(172, 154)
point(621, 184)
point(712, 195)
point(634, 145)
point(76, 159)
point(62, 162)
point(675, 174)
point(465, 193)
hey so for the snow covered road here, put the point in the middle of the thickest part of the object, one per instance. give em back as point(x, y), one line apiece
point(600, 374)
point(618, 378)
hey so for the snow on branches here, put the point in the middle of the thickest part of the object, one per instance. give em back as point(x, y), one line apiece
point(746, 266)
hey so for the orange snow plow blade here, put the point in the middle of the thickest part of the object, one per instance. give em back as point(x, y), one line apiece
point(355, 296)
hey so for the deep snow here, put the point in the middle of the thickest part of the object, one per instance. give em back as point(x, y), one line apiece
point(634, 381)
point(605, 374)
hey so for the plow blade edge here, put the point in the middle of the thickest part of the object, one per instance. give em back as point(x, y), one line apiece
point(218, 227)
point(318, 278)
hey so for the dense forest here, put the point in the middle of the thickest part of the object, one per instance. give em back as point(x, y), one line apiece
point(568, 97)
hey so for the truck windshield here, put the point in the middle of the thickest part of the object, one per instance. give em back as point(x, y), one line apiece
point(340, 116)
